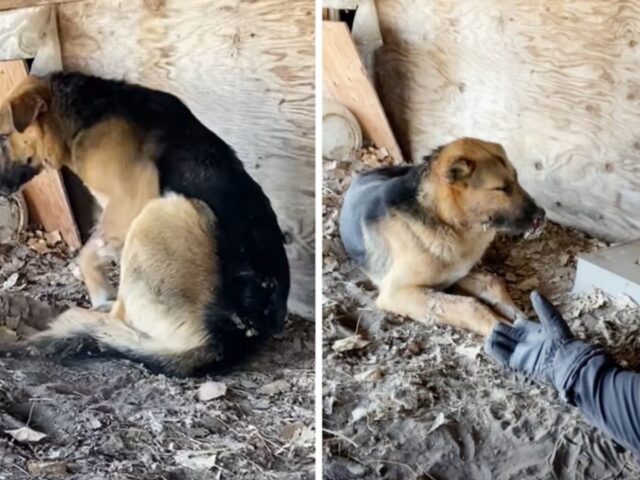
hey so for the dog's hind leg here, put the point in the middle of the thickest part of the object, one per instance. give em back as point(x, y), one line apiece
point(430, 306)
point(168, 279)
point(492, 290)
point(169, 273)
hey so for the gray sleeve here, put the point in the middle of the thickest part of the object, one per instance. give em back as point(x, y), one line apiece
point(607, 395)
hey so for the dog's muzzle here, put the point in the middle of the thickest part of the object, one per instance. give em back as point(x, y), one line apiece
point(13, 176)
point(537, 223)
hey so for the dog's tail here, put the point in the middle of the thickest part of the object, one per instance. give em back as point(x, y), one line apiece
point(80, 332)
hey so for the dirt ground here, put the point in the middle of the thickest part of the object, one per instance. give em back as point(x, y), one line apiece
point(403, 400)
point(114, 420)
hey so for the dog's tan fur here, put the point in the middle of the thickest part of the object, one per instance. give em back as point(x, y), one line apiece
point(425, 261)
point(415, 253)
point(163, 285)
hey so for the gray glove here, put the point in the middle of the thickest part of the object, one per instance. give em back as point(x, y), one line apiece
point(530, 347)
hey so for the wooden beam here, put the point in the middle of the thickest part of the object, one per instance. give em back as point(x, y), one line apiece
point(346, 81)
point(11, 4)
point(45, 194)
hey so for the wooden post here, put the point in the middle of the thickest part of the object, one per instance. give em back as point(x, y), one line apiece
point(45, 194)
point(346, 81)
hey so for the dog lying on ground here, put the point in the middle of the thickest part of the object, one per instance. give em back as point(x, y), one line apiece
point(204, 275)
point(418, 230)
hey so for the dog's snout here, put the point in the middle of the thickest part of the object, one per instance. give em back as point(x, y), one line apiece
point(13, 177)
point(538, 218)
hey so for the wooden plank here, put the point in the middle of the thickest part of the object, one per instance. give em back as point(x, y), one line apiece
point(246, 70)
point(11, 4)
point(45, 194)
point(346, 81)
point(555, 82)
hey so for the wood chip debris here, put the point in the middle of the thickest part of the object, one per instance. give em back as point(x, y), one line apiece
point(26, 435)
point(437, 423)
point(354, 342)
point(211, 390)
point(372, 375)
point(196, 460)
point(47, 468)
point(274, 388)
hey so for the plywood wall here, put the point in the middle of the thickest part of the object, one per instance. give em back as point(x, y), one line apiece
point(245, 68)
point(558, 83)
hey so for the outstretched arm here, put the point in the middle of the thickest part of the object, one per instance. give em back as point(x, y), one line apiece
point(607, 395)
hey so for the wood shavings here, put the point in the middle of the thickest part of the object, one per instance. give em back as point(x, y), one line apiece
point(358, 414)
point(38, 245)
point(53, 238)
point(528, 284)
point(470, 351)
point(195, 460)
point(354, 342)
point(7, 335)
point(437, 423)
point(26, 435)
point(211, 390)
point(371, 375)
point(563, 259)
point(47, 468)
point(10, 281)
point(274, 388)
point(298, 434)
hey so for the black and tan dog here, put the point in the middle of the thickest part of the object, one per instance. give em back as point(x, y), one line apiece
point(418, 230)
point(204, 274)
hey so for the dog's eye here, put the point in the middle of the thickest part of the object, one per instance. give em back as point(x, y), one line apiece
point(505, 189)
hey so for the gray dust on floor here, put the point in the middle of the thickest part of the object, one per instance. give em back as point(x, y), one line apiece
point(114, 420)
point(403, 400)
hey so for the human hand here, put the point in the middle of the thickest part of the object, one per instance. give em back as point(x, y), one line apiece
point(530, 347)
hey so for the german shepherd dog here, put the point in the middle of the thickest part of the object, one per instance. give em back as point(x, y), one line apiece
point(418, 230)
point(204, 275)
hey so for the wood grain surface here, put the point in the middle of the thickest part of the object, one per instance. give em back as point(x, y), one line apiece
point(22, 32)
point(345, 80)
point(11, 4)
point(45, 194)
point(245, 68)
point(556, 83)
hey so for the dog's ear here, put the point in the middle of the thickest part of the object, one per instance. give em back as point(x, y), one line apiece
point(460, 169)
point(26, 107)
